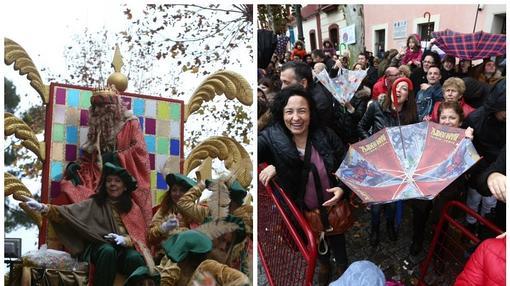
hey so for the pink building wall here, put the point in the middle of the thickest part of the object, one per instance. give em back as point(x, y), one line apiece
point(459, 18)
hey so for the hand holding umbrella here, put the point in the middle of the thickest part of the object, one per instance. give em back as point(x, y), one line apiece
point(396, 104)
point(338, 192)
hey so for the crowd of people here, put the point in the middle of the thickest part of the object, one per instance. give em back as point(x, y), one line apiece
point(304, 132)
point(107, 217)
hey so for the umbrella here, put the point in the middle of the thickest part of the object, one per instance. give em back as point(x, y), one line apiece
point(377, 170)
point(470, 46)
point(344, 86)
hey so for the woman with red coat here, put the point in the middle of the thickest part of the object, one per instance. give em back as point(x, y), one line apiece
point(486, 266)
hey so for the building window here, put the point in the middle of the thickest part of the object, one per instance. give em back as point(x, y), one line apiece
point(425, 30)
point(313, 40)
point(333, 35)
point(498, 24)
point(379, 43)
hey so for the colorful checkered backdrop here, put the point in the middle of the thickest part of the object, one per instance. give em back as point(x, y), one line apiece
point(161, 121)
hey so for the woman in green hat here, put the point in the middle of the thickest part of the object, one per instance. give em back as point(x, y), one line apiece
point(95, 230)
point(170, 219)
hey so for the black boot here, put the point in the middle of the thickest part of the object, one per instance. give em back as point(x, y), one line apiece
point(374, 235)
point(392, 233)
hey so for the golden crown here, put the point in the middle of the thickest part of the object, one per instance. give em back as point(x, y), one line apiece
point(105, 95)
point(105, 91)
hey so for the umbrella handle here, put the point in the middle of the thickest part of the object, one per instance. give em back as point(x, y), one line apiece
point(425, 15)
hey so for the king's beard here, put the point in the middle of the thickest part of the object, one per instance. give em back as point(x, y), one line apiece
point(107, 123)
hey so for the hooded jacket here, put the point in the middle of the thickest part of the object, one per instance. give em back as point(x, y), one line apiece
point(375, 119)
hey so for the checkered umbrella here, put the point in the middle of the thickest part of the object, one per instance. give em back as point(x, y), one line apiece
point(470, 46)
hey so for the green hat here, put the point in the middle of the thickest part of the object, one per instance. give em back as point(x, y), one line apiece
point(129, 181)
point(180, 245)
point(140, 273)
point(176, 178)
point(237, 192)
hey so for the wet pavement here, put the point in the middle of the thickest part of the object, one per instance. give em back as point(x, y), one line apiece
point(391, 256)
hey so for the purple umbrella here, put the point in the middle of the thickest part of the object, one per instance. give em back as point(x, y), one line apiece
point(470, 46)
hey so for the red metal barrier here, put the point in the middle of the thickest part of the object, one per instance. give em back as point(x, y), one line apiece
point(287, 257)
point(447, 250)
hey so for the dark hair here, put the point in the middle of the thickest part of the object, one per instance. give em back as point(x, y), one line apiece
point(262, 106)
point(282, 99)
point(418, 44)
point(319, 53)
point(273, 85)
point(449, 58)
point(451, 105)
point(166, 202)
point(124, 202)
point(356, 63)
point(301, 70)
point(409, 109)
point(434, 66)
point(434, 55)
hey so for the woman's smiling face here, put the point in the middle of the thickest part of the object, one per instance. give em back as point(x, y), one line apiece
point(296, 115)
point(114, 186)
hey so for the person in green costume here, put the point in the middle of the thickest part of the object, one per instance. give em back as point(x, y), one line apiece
point(93, 230)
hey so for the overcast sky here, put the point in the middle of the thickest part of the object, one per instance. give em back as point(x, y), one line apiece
point(44, 31)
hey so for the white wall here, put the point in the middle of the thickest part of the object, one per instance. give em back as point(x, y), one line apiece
point(489, 11)
point(309, 24)
point(332, 18)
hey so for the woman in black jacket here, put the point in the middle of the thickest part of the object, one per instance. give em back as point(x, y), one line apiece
point(376, 118)
point(284, 145)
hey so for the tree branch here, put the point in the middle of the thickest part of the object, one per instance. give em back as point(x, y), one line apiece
point(207, 8)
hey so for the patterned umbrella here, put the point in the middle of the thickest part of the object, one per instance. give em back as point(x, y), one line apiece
point(470, 46)
point(377, 170)
point(344, 85)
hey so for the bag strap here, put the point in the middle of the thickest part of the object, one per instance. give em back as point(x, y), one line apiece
point(309, 166)
point(320, 198)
